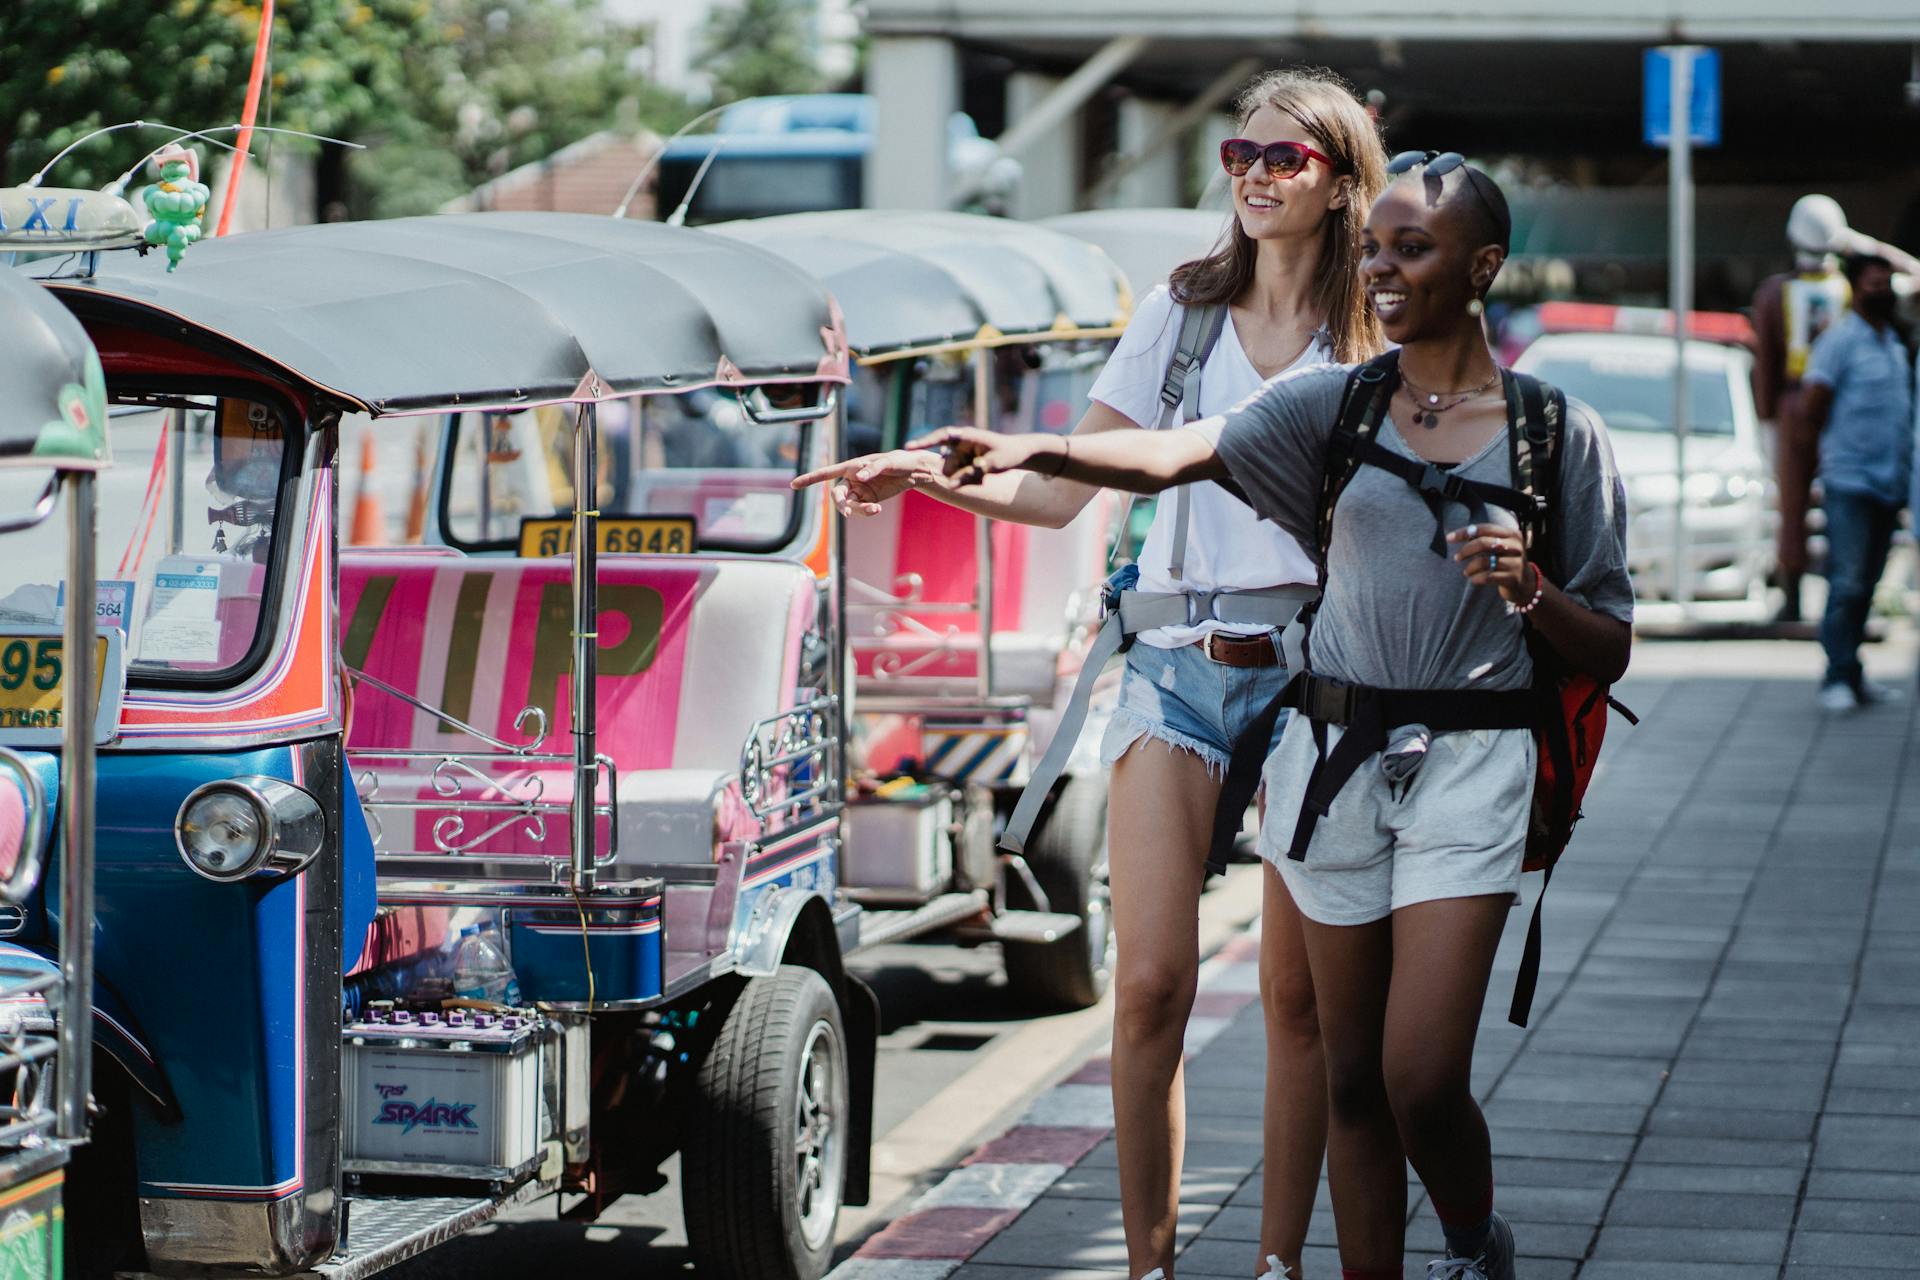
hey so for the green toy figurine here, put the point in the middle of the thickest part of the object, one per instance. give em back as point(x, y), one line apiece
point(176, 202)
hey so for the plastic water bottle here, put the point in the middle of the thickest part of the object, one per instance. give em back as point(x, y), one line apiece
point(481, 970)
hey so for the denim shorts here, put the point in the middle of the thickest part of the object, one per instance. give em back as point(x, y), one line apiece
point(1187, 700)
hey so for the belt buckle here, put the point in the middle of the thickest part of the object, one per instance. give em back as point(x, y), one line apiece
point(1195, 613)
point(1206, 646)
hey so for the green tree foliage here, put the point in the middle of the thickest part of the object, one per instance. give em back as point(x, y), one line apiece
point(70, 66)
point(758, 47)
point(506, 82)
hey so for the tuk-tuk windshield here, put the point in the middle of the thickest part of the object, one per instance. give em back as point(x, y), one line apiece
point(694, 457)
point(187, 532)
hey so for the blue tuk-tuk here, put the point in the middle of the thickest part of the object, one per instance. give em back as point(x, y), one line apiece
point(433, 882)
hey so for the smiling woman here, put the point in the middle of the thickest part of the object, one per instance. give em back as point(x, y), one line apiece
point(1433, 615)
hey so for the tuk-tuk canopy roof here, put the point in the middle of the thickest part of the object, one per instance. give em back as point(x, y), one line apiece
point(414, 315)
point(1147, 244)
point(53, 400)
point(913, 282)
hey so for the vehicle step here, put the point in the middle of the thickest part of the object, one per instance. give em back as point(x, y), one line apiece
point(384, 1230)
point(878, 927)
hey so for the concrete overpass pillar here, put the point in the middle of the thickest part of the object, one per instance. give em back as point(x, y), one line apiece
point(916, 81)
point(1050, 164)
point(1155, 181)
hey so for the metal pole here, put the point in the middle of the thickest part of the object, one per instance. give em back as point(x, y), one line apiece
point(177, 460)
point(76, 814)
point(983, 527)
point(586, 642)
point(1680, 294)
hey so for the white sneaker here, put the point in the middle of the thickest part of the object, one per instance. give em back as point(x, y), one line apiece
point(1155, 1274)
point(1837, 697)
point(1275, 1271)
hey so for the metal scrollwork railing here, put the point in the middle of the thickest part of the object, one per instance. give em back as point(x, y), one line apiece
point(476, 795)
point(30, 996)
point(790, 765)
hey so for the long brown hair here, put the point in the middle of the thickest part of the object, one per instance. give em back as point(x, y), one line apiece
point(1326, 108)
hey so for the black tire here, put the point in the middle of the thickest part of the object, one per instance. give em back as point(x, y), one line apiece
point(102, 1194)
point(1068, 858)
point(757, 1206)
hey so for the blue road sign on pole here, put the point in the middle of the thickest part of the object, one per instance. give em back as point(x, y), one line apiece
point(1703, 105)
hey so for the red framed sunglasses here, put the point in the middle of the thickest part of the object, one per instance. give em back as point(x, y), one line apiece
point(1283, 159)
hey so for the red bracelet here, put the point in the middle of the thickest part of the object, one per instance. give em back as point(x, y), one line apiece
point(1539, 592)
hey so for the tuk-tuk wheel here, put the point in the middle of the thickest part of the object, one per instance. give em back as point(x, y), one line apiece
point(1068, 857)
point(765, 1155)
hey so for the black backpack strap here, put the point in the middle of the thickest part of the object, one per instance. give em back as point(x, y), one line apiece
point(1363, 407)
point(1536, 436)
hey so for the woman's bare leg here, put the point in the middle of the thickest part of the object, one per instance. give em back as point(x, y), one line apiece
point(1296, 1119)
point(1160, 813)
point(1442, 954)
point(1352, 966)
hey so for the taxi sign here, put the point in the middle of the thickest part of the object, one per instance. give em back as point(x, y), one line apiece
point(619, 535)
point(33, 685)
point(56, 219)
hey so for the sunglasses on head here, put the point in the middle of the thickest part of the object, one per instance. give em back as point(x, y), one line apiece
point(1440, 164)
point(1283, 159)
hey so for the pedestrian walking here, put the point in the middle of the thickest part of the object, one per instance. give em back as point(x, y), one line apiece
point(1790, 311)
point(1215, 586)
point(1859, 397)
point(1405, 874)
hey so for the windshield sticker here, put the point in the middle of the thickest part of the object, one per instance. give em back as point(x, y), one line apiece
point(112, 603)
point(183, 622)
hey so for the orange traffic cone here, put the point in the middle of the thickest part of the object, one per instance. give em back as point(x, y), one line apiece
point(417, 504)
point(369, 521)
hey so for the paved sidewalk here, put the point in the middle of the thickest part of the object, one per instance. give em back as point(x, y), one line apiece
point(1722, 1078)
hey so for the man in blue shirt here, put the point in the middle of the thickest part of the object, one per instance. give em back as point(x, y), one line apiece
point(1859, 396)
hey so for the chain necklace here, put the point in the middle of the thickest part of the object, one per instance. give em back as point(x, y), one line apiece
point(1428, 414)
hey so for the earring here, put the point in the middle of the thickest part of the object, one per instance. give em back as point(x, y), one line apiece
point(1475, 307)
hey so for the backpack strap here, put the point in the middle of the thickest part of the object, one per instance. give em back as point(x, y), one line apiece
point(1200, 329)
point(1539, 425)
point(1209, 321)
point(1363, 407)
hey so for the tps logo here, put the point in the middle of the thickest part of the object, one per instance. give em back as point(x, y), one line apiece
point(431, 1114)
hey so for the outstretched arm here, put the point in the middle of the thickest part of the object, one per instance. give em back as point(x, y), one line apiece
point(1134, 460)
point(861, 485)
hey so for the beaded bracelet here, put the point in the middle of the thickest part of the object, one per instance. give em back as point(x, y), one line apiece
point(1539, 593)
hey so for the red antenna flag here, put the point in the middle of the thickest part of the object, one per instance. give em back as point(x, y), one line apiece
point(255, 78)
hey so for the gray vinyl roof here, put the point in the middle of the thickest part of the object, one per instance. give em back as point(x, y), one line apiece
point(413, 315)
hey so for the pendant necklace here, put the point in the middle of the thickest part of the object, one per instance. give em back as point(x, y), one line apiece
point(1430, 406)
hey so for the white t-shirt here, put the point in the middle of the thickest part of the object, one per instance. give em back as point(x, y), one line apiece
point(1229, 548)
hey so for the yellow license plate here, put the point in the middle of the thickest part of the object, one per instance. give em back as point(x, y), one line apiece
point(32, 671)
point(635, 535)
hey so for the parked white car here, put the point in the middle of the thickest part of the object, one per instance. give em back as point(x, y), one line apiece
point(1729, 510)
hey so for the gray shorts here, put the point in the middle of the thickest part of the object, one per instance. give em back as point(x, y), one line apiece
point(1460, 830)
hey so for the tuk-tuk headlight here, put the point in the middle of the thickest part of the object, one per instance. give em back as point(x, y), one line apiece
point(237, 827)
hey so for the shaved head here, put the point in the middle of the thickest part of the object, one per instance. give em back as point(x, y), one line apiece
point(1470, 201)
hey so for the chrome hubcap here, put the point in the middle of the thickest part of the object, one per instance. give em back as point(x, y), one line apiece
point(817, 1147)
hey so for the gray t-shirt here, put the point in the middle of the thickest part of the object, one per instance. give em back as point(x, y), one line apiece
point(1396, 615)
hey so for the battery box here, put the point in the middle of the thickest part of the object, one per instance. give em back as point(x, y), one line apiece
point(452, 1095)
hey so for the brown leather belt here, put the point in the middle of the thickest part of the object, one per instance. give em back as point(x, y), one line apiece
point(1230, 650)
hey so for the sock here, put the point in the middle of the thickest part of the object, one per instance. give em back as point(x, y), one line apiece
point(1372, 1273)
point(1467, 1226)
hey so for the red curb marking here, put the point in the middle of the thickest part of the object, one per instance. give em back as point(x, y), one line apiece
point(1038, 1144)
point(938, 1233)
point(1241, 948)
point(1093, 1071)
point(1221, 1004)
